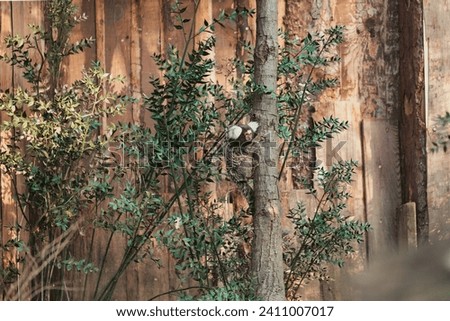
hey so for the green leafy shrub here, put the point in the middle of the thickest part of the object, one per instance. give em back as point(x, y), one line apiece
point(197, 235)
point(441, 133)
point(326, 235)
point(55, 153)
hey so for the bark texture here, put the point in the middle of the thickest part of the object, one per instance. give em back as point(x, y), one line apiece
point(412, 113)
point(267, 260)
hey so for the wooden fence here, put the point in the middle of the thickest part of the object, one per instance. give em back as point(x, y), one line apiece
point(369, 96)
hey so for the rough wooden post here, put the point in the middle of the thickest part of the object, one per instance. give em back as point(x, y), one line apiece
point(407, 227)
point(382, 185)
point(412, 128)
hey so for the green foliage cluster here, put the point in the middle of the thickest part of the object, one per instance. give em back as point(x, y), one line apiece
point(189, 113)
point(325, 236)
point(54, 153)
point(441, 132)
point(146, 184)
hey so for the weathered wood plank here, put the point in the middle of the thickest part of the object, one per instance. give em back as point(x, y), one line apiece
point(382, 185)
point(225, 43)
point(150, 279)
point(151, 42)
point(100, 31)
point(118, 44)
point(178, 38)
point(119, 62)
point(135, 58)
point(344, 147)
point(113, 52)
point(71, 71)
point(15, 18)
point(74, 64)
point(407, 227)
point(173, 36)
point(437, 90)
point(412, 124)
point(25, 13)
point(8, 215)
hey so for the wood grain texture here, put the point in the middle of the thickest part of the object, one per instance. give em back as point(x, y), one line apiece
point(8, 214)
point(412, 124)
point(368, 89)
point(15, 17)
point(345, 146)
point(407, 227)
point(135, 58)
point(382, 185)
point(74, 64)
point(437, 90)
point(151, 280)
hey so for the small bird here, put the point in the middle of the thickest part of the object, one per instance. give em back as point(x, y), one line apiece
point(240, 155)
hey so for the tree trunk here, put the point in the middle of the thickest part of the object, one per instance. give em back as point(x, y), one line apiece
point(267, 260)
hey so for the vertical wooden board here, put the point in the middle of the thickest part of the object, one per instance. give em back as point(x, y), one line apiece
point(367, 88)
point(135, 58)
point(226, 38)
point(100, 32)
point(146, 40)
point(412, 113)
point(281, 13)
point(245, 30)
point(173, 36)
point(346, 146)
point(8, 215)
point(370, 54)
point(351, 51)
point(14, 19)
point(151, 279)
point(246, 26)
point(5, 30)
point(117, 44)
point(204, 13)
point(23, 14)
point(113, 50)
point(151, 43)
point(437, 91)
point(296, 21)
point(74, 64)
point(92, 243)
point(251, 31)
point(225, 51)
point(151, 16)
point(179, 39)
point(71, 71)
point(407, 227)
point(382, 185)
